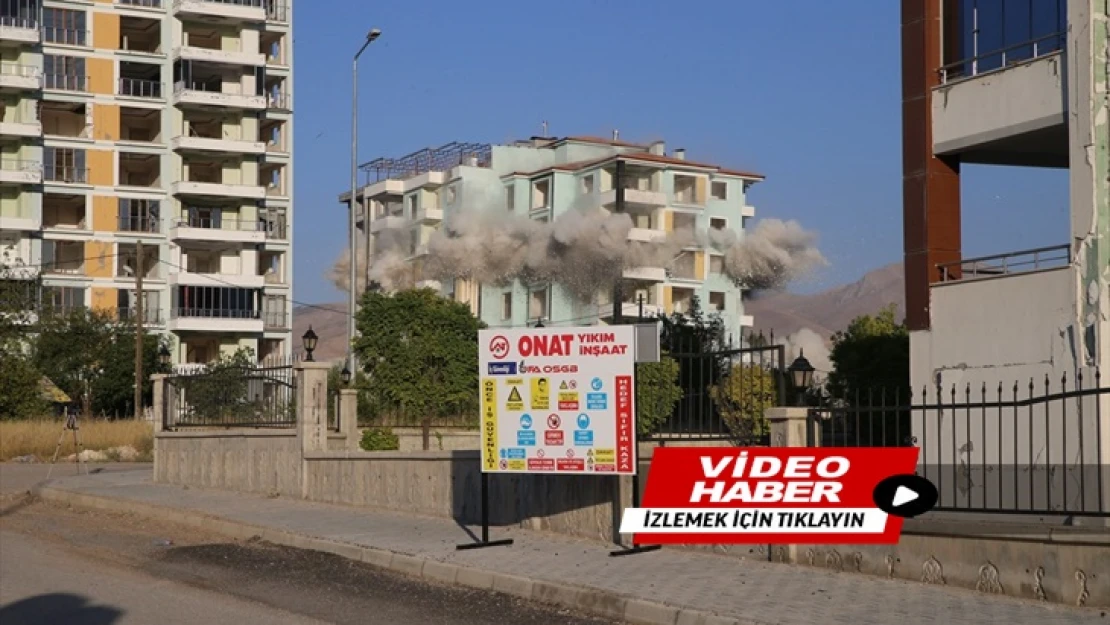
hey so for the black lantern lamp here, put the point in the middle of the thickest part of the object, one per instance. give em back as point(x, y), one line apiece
point(309, 340)
point(539, 322)
point(164, 356)
point(345, 375)
point(801, 376)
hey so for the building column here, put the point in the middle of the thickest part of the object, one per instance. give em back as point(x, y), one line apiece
point(312, 405)
point(160, 387)
point(930, 185)
point(348, 417)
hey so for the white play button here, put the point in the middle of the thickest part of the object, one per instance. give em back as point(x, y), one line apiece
point(903, 496)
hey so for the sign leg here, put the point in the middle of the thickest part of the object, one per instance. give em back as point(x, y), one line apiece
point(485, 541)
point(635, 504)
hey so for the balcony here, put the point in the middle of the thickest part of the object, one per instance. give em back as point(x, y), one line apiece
point(218, 190)
point(201, 279)
point(277, 11)
point(629, 310)
point(139, 224)
point(19, 30)
point(646, 235)
point(388, 222)
point(221, 230)
point(216, 55)
point(634, 199)
point(429, 215)
point(65, 214)
point(142, 4)
point(279, 103)
point(646, 274)
point(202, 94)
point(21, 129)
point(152, 315)
point(185, 319)
point(63, 258)
point(1000, 265)
point(18, 171)
point(224, 10)
point(747, 212)
point(194, 143)
point(140, 88)
point(16, 77)
point(65, 174)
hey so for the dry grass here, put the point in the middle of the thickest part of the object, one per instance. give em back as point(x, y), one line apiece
point(39, 437)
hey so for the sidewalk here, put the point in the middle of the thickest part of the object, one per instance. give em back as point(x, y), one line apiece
point(668, 586)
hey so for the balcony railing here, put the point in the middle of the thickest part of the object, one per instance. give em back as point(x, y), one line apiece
point(275, 231)
point(148, 4)
point(1006, 264)
point(65, 174)
point(139, 88)
point(65, 267)
point(216, 313)
point(279, 102)
point(221, 223)
point(62, 36)
point(18, 70)
point(1002, 58)
point(273, 278)
point(17, 164)
point(277, 11)
point(16, 21)
point(128, 223)
point(66, 82)
point(152, 316)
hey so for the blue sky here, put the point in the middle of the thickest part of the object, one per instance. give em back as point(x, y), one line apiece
point(806, 92)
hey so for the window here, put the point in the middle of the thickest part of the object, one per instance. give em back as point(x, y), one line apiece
point(588, 185)
point(212, 301)
point(66, 73)
point(685, 189)
point(718, 223)
point(717, 300)
point(507, 305)
point(63, 298)
point(64, 165)
point(541, 193)
point(64, 27)
point(510, 198)
point(138, 215)
point(205, 217)
point(412, 205)
point(414, 242)
point(716, 264)
point(719, 190)
point(537, 304)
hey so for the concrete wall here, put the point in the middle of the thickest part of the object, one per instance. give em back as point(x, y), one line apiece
point(240, 460)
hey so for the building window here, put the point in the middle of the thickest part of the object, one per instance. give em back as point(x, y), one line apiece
point(64, 27)
point(541, 193)
point(414, 242)
point(63, 298)
point(717, 300)
point(537, 304)
point(138, 215)
point(718, 223)
point(588, 184)
point(215, 302)
point(66, 73)
point(507, 305)
point(716, 264)
point(412, 205)
point(64, 165)
point(510, 198)
point(719, 190)
point(685, 189)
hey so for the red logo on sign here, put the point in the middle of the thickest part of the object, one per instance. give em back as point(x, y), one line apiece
point(565, 464)
point(625, 448)
point(553, 421)
point(541, 464)
point(499, 346)
point(553, 437)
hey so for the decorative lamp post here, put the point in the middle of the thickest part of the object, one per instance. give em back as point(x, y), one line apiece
point(309, 340)
point(164, 357)
point(345, 375)
point(801, 376)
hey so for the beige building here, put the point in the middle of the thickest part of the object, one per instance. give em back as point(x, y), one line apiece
point(162, 122)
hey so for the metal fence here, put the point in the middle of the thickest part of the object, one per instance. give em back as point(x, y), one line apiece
point(1032, 447)
point(231, 395)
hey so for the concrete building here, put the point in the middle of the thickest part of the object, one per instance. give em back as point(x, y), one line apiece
point(543, 178)
point(165, 123)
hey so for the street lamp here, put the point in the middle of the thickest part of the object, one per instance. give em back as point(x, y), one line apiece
point(801, 375)
point(164, 356)
point(353, 243)
point(309, 341)
point(345, 375)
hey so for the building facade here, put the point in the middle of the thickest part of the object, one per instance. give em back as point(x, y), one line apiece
point(162, 123)
point(544, 178)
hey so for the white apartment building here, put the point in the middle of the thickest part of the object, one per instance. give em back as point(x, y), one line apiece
point(165, 122)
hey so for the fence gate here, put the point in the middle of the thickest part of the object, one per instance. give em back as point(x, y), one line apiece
point(222, 395)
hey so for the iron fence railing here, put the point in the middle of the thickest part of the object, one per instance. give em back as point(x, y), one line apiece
point(1026, 448)
point(231, 395)
point(1004, 264)
point(440, 158)
point(1002, 58)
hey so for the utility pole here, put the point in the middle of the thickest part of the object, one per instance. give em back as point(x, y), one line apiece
point(618, 296)
point(139, 331)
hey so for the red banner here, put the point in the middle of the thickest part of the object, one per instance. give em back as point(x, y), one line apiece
point(626, 452)
point(768, 496)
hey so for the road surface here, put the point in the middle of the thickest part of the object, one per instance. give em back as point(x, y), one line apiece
point(79, 567)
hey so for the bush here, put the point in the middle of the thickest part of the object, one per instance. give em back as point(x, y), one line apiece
point(20, 394)
point(742, 397)
point(379, 439)
point(657, 392)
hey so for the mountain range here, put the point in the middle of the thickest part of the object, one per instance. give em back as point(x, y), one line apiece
point(825, 312)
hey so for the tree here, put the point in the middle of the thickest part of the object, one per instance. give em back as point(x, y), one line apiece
point(657, 393)
point(696, 342)
point(742, 398)
point(421, 352)
point(871, 355)
point(20, 396)
point(221, 392)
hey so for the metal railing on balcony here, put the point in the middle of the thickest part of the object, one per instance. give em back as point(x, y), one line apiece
point(65, 174)
point(147, 4)
point(1005, 264)
point(19, 70)
point(66, 82)
point(152, 316)
point(277, 11)
point(216, 313)
point(273, 230)
point(135, 223)
point(18, 164)
point(1002, 58)
point(18, 21)
point(279, 102)
point(139, 88)
point(62, 36)
point(218, 223)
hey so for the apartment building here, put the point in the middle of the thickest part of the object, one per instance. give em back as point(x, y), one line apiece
point(542, 178)
point(162, 122)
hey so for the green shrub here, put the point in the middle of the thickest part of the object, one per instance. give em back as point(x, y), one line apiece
point(379, 439)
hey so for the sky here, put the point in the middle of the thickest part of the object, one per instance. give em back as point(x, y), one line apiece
point(806, 92)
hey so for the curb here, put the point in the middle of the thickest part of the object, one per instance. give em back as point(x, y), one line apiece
point(598, 602)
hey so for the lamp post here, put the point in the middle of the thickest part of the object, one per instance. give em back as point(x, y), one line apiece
point(309, 341)
point(164, 357)
point(345, 376)
point(352, 295)
point(801, 376)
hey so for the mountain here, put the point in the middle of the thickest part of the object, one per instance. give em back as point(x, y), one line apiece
point(825, 312)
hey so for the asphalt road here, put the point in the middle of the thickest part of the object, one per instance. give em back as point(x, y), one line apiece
point(80, 567)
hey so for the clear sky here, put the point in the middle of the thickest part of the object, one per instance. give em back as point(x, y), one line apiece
point(806, 92)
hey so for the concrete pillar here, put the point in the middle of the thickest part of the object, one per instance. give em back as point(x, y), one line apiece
point(312, 405)
point(158, 380)
point(789, 427)
point(348, 416)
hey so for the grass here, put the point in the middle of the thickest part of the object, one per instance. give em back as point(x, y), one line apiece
point(39, 437)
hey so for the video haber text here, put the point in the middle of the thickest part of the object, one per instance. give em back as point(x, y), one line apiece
point(762, 479)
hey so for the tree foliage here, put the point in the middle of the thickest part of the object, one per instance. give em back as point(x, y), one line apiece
point(20, 396)
point(221, 392)
point(657, 393)
point(420, 351)
point(742, 398)
point(871, 355)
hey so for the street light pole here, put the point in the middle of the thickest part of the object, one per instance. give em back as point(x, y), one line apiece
point(353, 243)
